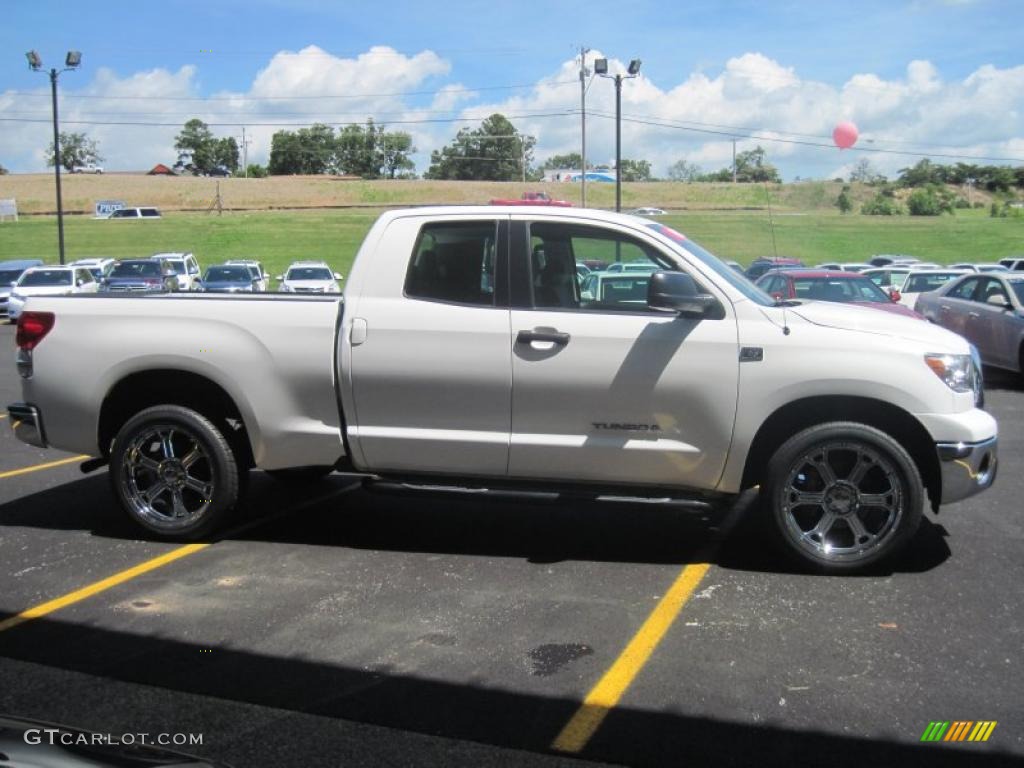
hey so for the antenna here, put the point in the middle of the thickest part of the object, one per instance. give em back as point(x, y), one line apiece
point(775, 253)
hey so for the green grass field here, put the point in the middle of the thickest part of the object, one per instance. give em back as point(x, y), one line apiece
point(280, 237)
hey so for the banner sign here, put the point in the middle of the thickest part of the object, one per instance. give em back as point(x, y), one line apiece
point(9, 208)
point(106, 207)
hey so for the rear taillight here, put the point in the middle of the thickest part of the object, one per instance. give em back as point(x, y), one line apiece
point(32, 328)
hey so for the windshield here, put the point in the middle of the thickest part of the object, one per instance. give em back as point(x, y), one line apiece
point(723, 270)
point(309, 273)
point(227, 275)
point(8, 276)
point(137, 269)
point(839, 289)
point(45, 277)
point(928, 282)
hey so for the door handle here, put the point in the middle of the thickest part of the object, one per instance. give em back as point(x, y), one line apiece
point(554, 337)
point(973, 314)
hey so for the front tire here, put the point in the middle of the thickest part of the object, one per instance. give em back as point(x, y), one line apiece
point(174, 473)
point(843, 496)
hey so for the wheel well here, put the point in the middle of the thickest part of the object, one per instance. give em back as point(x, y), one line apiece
point(190, 390)
point(801, 414)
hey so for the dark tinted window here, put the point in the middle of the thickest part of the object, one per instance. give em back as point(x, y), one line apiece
point(42, 277)
point(308, 273)
point(228, 274)
point(455, 262)
point(1018, 288)
point(150, 212)
point(125, 213)
point(137, 269)
point(925, 282)
point(8, 276)
point(992, 292)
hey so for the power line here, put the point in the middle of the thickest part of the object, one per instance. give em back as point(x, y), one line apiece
point(242, 97)
point(733, 134)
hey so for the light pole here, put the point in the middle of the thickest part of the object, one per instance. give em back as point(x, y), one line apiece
point(72, 61)
point(601, 68)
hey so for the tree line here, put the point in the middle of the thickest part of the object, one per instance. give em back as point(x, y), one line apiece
point(497, 151)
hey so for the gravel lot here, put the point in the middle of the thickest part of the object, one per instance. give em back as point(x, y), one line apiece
point(345, 627)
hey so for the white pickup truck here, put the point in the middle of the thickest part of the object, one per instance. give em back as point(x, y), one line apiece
point(462, 353)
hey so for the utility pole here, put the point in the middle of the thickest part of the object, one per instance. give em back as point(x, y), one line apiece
point(734, 161)
point(245, 153)
point(583, 124)
point(56, 164)
point(618, 143)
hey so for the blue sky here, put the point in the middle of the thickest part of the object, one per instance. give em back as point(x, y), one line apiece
point(226, 44)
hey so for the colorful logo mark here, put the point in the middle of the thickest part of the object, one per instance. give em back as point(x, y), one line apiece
point(959, 730)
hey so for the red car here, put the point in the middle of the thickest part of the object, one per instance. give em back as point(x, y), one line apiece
point(830, 285)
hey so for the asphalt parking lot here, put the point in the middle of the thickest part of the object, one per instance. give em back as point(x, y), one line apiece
point(337, 626)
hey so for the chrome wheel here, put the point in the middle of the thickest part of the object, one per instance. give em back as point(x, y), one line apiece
point(842, 501)
point(167, 477)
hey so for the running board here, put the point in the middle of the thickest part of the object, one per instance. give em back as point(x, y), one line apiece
point(539, 492)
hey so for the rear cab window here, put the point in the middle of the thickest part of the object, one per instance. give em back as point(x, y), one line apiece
point(454, 262)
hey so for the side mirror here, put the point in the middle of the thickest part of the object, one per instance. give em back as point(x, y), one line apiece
point(777, 295)
point(279, 277)
point(895, 295)
point(79, 283)
point(677, 292)
point(338, 276)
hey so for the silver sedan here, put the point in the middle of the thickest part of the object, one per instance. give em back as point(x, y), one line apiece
point(987, 310)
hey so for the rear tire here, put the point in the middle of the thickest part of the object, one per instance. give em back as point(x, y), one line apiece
point(843, 496)
point(174, 473)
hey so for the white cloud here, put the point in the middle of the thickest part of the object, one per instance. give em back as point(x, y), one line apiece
point(978, 115)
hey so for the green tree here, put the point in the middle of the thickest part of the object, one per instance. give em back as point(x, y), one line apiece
point(395, 150)
point(356, 150)
point(753, 165)
point(635, 170)
point(225, 153)
point(921, 173)
point(3, 171)
point(882, 205)
point(75, 149)
point(197, 139)
point(570, 160)
point(256, 171)
point(865, 173)
point(285, 154)
point(844, 202)
point(681, 170)
point(495, 151)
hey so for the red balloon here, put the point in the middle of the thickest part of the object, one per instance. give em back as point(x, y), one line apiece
point(845, 135)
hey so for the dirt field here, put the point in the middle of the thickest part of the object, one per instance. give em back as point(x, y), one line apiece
point(35, 193)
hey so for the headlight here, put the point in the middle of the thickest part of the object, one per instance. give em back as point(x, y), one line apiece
point(957, 371)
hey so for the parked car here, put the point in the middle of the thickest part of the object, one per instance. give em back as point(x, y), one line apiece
point(230, 278)
point(759, 266)
point(220, 171)
point(99, 266)
point(830, 285)
point(49, 281)
point(1013, 265)
point(309, 277)
point(890, 279)
point(1010, 261)
point(990, 268)
point(141, 276)
point(134, 213)
point(737, 267)
point(257, 270)
point(533, 198)
point(582, 270)
point(987, 310)
point(185, 266)
point(438, 365)
point(87, 168)
point(615, 290)
point(632, 266)
point(922, 281)
point(10, 271)
point(885, 259)
point(647, 212)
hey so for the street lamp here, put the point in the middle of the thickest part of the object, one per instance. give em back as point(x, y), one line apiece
point(72, 61)
point(601, 68)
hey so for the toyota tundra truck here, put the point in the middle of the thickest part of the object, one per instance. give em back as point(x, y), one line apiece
point(463, 354)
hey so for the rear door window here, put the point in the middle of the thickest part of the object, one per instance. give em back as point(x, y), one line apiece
point(454, 262)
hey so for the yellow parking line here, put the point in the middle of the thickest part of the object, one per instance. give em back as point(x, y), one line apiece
point(37, 467)
point(609, 689)
point(100, 586)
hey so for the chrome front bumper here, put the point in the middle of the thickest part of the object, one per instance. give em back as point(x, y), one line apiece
point(27, 423)
point(967, 468)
